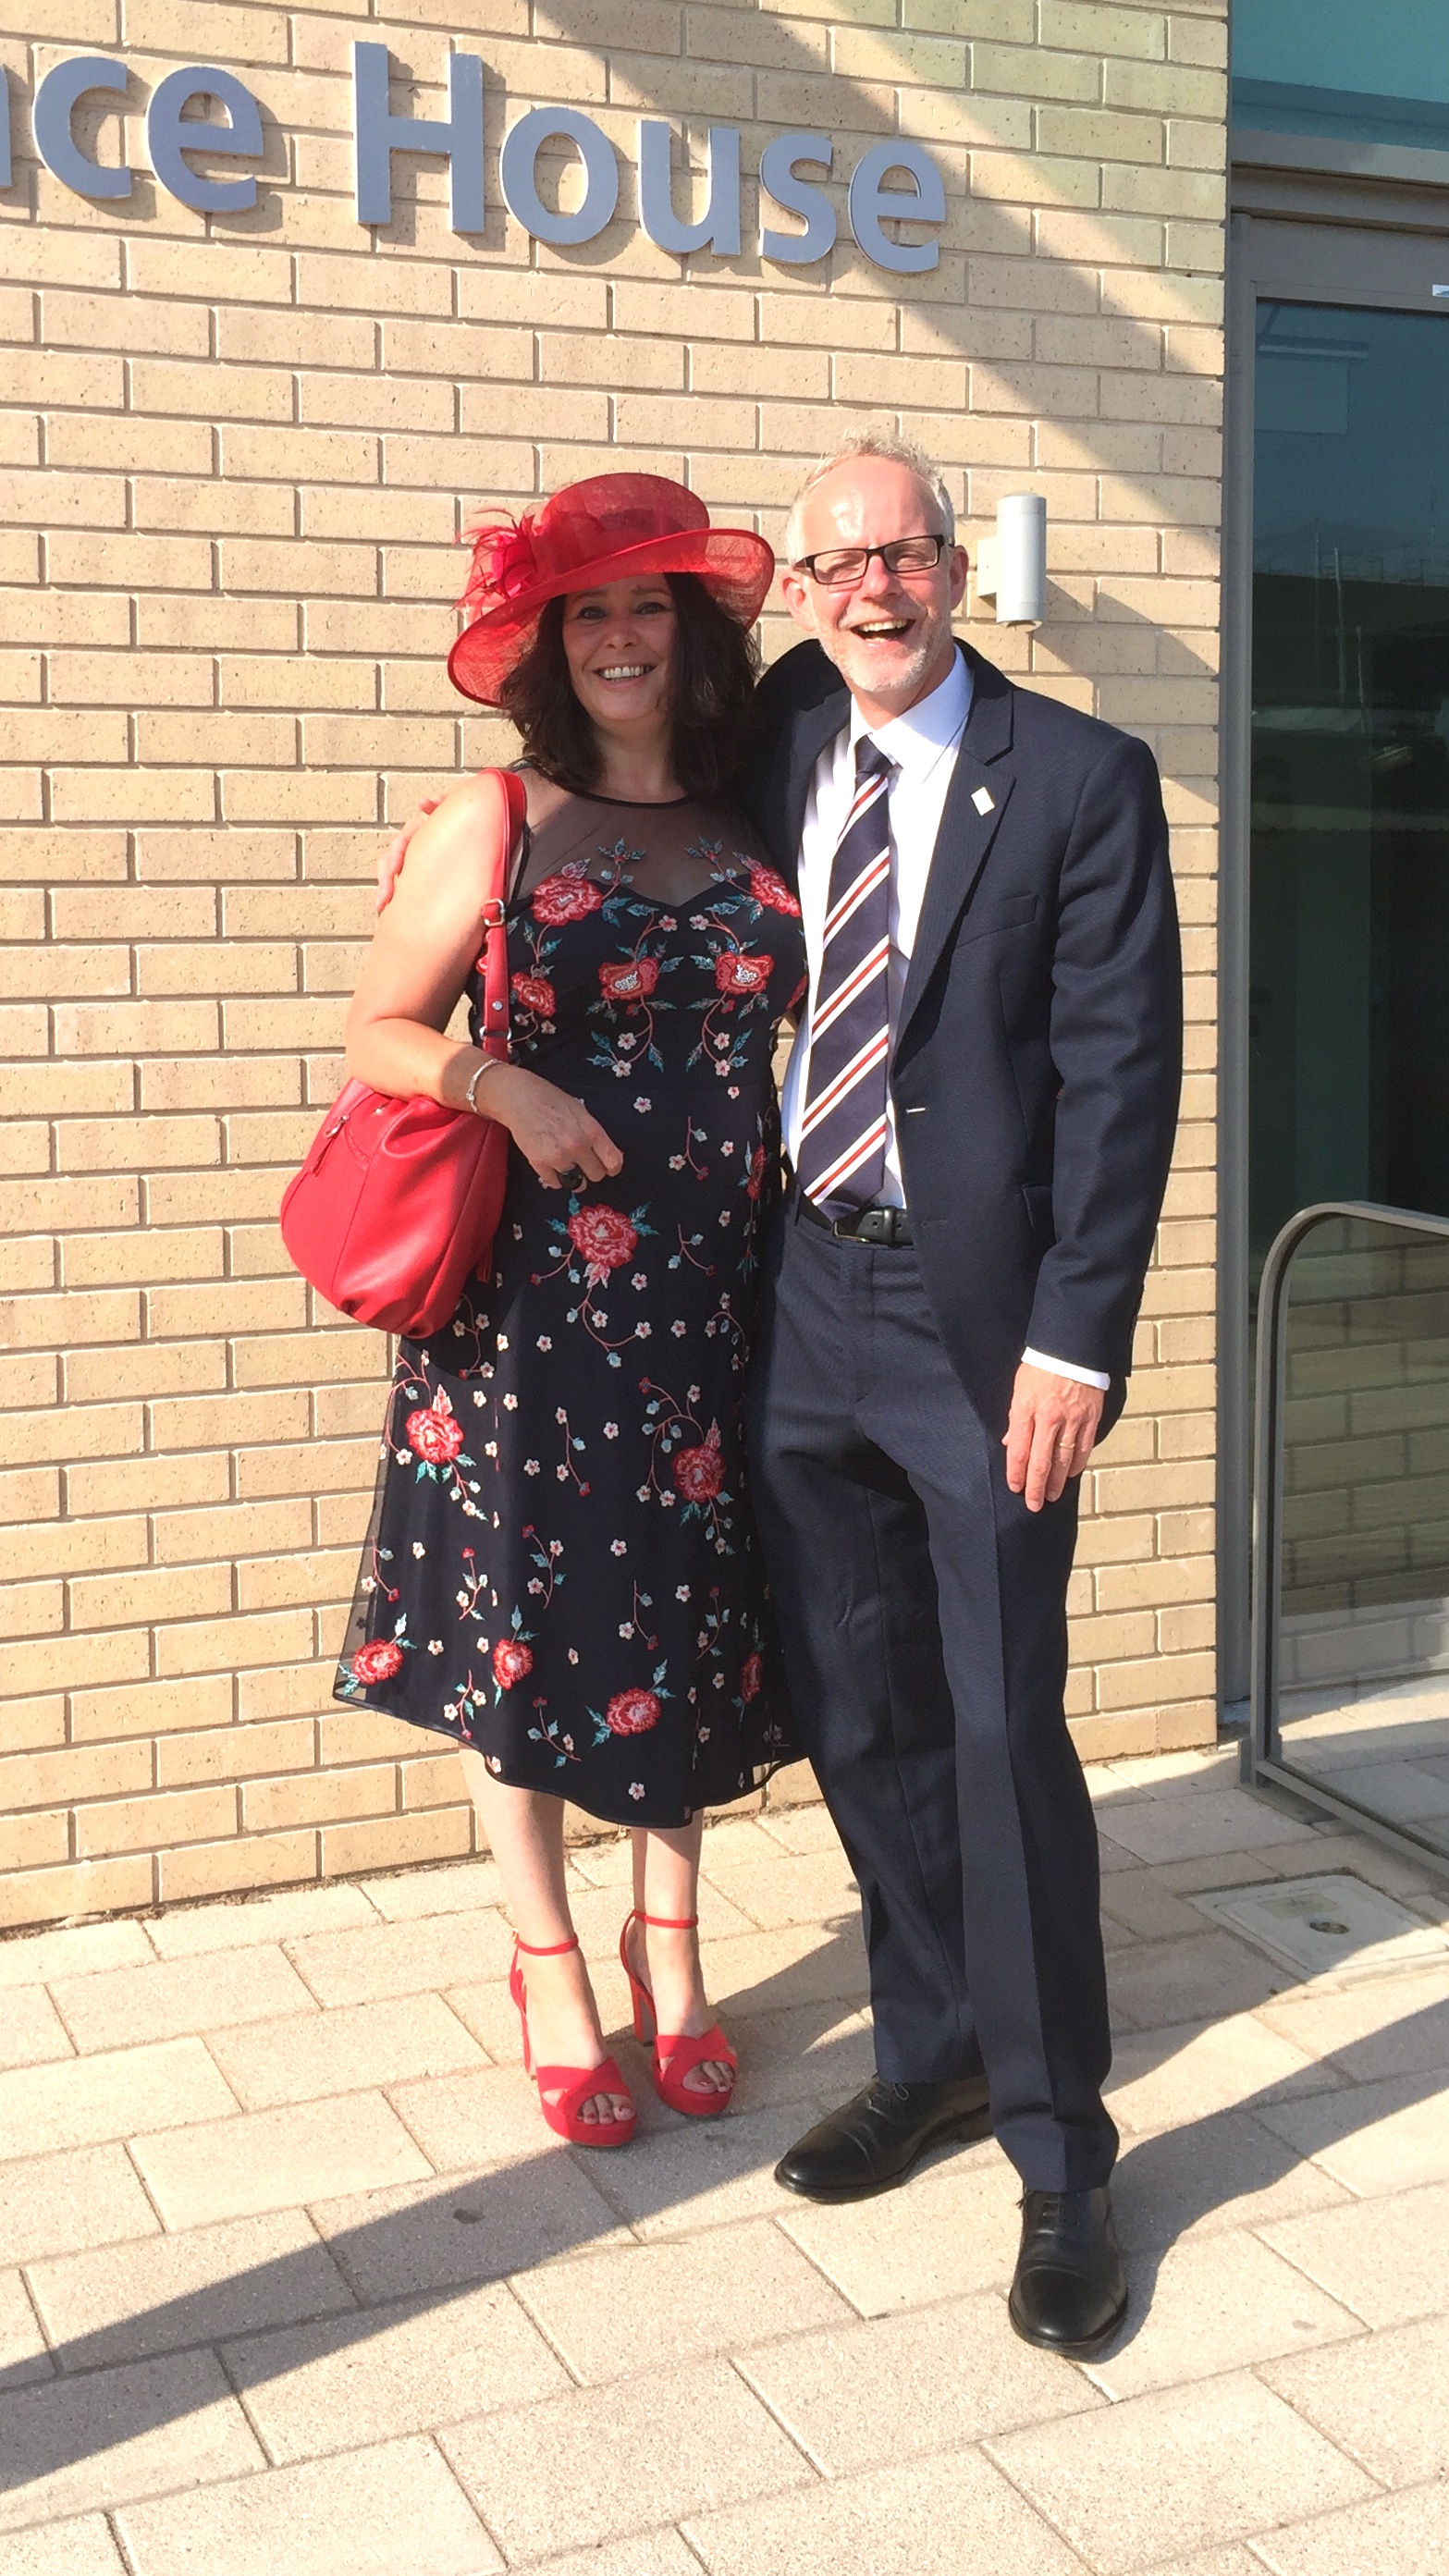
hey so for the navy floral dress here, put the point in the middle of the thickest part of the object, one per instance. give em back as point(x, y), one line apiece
point(561, 1568)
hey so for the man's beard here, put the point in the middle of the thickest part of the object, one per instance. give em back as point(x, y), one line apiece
point(909, 666)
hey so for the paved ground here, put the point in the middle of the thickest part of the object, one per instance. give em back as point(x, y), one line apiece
point(297, 2280)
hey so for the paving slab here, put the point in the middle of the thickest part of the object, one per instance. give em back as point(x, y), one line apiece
point(652, 2553)
point(1387, 2259)
point(383, 2371)
point(801, 1829)
point(575, 2471)
point(243, 1923)
point(1212, 1821)
point(173, 1997)
point(485, 2115)
point(1181, 1981)
point(1195, 2466)
point(459, 1887)
point(78, 2445)
point(393, 2510)
point(80, 2548)
point(23, 2354)
point(1384, 2400)
point(805, 1887)
point(1395, 2025)
point(82, 2196)
point(881, 2389)
point(691, 2174)
point(1218, 2304)
point(31, 2030)
point(126, 2302)
point(1141, 1904)
point(954, 2227)
point(819, 2051)
point(774, 1971)
point(81, 1949)
point(307, 2055)
point(1404, 2535)
point(712, 2293)
point(358, 1967)
point(276, 2159)
point(1228, 2170)
point(1161, 2078)
point(468, 2227)
point(80, 2100)
point(1372, 2137)
point(940, 2517)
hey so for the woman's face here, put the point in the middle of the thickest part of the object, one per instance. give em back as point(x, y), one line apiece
point(619, 644)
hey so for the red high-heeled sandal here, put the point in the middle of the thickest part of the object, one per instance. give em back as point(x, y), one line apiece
point(676, 2057)
point(574, 2085)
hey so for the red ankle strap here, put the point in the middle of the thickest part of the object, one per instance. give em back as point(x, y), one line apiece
point(668, 1922)
point(547, 1949)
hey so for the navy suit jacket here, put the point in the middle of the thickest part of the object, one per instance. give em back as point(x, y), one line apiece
point(1038, 1055)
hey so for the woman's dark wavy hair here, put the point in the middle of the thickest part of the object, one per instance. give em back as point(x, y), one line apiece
point(716, 666)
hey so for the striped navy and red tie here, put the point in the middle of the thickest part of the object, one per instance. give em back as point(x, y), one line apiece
point(841, 1157)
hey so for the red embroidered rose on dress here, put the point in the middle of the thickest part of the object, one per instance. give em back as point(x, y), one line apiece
point(436, 1433)
point(756, 1181)
point(566, 898)
point(632, 1712)
point(377, 1662)
point(603, 1236)
point(736, 973)
point(511, 1661)
point(699, 1473)
point(751, 1673)
point(769, 889)
point(535, 993)
point(629, 983)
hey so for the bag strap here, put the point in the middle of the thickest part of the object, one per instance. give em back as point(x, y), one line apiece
point(514, 802)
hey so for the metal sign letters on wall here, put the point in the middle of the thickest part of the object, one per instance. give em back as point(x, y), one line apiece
point(917, 197)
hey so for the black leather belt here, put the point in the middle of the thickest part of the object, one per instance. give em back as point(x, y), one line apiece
point(869, 1225)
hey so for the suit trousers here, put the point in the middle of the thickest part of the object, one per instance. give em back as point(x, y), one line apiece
point(923, 1613)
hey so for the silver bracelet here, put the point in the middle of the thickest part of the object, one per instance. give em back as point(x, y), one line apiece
point(470, 1095)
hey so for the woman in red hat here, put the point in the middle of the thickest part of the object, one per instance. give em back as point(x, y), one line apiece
point(562, 1575)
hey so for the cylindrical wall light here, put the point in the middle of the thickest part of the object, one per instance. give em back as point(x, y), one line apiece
point(1011, 566)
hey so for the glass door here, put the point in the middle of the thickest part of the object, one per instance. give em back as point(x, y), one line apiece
point(1348, 971)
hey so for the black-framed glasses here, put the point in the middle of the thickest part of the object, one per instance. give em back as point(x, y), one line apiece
point(841, 567)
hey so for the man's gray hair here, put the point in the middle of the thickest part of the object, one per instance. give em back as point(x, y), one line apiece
point(872, 442)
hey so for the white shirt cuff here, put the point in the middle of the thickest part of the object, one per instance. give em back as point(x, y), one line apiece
point(1067, 1368)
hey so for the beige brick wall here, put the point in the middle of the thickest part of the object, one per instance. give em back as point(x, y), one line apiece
point(234, 454)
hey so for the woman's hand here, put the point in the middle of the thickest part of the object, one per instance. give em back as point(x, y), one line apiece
point(553, 1131)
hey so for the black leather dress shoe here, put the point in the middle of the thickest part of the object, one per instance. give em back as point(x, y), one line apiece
point(1070, 2290)
point(878, 2138)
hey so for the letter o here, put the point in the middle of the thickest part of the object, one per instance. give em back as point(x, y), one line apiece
point(601, 175)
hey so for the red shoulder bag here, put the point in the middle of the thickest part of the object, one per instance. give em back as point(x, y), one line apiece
point(398, 1201)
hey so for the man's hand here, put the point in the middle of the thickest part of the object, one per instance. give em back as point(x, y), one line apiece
point(1050, 1433)
point(389, 866)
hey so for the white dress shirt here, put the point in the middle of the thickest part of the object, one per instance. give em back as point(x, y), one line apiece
point(922, 746)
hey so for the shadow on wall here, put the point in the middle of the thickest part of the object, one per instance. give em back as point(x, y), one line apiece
point(1129, 407)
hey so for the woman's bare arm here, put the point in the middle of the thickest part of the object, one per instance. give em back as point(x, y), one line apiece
point(422, 949)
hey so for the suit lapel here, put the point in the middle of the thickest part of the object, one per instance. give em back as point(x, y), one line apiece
point(976, 800)
point(809, 735)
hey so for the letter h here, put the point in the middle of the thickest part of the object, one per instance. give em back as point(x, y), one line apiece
point(458, 138)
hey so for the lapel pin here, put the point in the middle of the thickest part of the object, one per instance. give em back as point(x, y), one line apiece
point(983, 800)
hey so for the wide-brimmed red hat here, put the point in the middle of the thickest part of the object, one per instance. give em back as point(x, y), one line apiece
point(613, 527)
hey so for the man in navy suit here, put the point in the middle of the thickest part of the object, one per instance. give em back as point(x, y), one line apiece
point(979, 1117)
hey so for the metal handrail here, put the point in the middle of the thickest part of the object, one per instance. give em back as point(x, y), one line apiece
point(1262, 1749)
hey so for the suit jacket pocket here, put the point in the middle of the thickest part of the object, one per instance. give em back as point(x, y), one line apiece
point(1038, 1197)
point(1009, 912)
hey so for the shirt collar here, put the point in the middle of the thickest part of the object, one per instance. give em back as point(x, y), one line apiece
point(919, 738)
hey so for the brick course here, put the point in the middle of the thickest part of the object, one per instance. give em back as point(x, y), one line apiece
point(234, 454)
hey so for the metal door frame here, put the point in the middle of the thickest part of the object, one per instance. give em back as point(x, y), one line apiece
point(1302, 238)
point(1263, 1747)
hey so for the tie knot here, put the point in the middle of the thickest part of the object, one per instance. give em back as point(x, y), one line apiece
point(870, 760)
